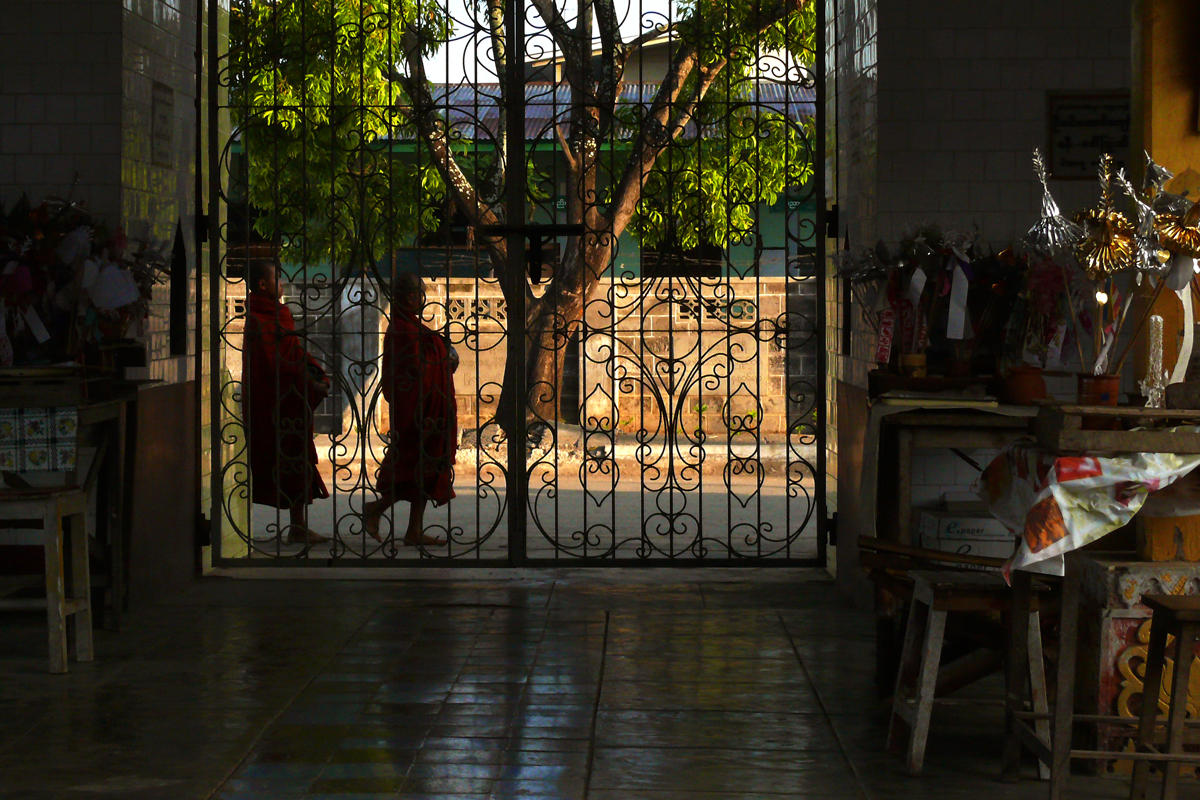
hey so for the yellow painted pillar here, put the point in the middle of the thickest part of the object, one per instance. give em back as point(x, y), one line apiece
point(1166, 123)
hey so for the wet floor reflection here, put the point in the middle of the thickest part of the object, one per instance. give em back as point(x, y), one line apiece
point(634, 685)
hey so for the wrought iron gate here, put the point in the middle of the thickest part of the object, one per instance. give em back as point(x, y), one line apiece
point(615, 214)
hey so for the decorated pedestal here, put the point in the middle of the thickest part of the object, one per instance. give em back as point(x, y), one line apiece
point(1114, 634)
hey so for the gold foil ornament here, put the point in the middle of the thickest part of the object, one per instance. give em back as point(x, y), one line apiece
point(1108, 244)
point(1180, 233)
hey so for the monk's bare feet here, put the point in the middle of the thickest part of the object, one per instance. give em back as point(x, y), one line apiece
point(419, 538)
point(298, 535)
point(371, 525)
point(372, 515)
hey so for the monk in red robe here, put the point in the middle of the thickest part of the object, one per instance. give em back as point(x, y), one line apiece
point(281, 385)
point(418, 384)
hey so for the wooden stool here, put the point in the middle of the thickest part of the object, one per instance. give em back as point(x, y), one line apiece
point(937, 593)
point(51, 506)
point(1178, 617)
point(1057, 747)
point(68, 593)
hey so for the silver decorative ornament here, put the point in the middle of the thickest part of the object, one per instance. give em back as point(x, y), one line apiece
point(1052, 233)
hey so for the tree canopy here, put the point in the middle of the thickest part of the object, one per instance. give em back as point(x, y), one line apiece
point(321, 89)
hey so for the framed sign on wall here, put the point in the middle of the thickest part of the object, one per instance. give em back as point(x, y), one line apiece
point(1080, 126)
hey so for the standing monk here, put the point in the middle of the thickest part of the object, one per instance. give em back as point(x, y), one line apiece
point(418, 385)
point(281, 385)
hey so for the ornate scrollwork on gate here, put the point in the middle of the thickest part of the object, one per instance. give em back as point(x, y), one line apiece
point(672, 392)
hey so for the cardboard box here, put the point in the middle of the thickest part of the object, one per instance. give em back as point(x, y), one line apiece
point(966, 530)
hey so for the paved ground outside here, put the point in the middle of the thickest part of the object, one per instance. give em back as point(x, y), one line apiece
point(742, 518)
point(589, 684)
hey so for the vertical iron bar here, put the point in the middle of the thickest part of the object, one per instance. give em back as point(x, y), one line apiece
point(214, 276)
point(199, 233)
point(514, 275)
point(822, 388)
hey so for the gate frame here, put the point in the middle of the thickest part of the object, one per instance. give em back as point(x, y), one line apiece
point(517, 486)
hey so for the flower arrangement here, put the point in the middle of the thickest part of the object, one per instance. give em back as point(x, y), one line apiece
point(941, 295)
point(68, 283)
point(1105, 249)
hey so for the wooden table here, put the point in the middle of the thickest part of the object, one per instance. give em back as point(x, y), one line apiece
point(941, 428)
point(896, 431)
point(110, 422)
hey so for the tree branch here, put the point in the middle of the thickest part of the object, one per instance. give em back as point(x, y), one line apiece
point(495, 19)
point(613, 62)
point(435, 132)
point(568, 154)
point(658, 129)
point(568, 42)
point(645, 38)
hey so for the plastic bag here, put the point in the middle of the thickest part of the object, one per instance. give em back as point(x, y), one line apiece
point(1057, 504)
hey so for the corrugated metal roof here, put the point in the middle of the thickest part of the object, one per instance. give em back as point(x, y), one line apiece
point(474, 109)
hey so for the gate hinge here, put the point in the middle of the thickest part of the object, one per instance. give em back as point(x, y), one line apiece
point(202, 227)
point(831, 222)
point(203, 531)
point(831, 523)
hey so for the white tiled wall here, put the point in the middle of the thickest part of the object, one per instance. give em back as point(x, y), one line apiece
point(939, 105)
point(60, 101)
point(850, 161)
point(159, 48)
point(962, 104)
point(76, 85)
point(855, 170)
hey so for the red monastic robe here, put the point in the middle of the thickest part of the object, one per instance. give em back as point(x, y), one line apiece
point(418, 385)
point(278, 404)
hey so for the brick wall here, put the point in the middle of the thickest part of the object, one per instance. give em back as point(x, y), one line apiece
point(725, 327)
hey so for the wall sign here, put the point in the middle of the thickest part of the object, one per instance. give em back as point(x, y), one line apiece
point(162, 118)
point(1081, 126)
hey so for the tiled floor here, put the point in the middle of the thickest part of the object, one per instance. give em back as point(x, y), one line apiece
point(600, 685)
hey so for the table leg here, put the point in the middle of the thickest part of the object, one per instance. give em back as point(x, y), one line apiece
point(120, 533)
point(909, 666)
point(81, 586)
point(1038, 695)
point(1016, 673)
point(1186, 643)
point(1151, 687)
point(904, 453)
point(1064, 702)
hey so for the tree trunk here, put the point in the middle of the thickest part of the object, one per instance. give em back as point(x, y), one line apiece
point(549, 322)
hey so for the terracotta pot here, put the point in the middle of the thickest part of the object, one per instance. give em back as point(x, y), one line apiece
point(1099, 390)
point(959, 368)
point(1024, 384)
point(913, 365)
